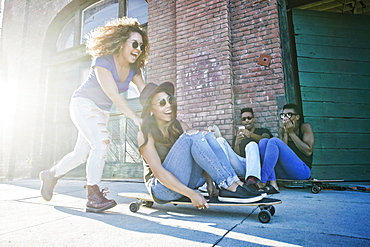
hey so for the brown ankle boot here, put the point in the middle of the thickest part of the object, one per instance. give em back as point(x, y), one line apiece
point(48, 182)
point(96, 201)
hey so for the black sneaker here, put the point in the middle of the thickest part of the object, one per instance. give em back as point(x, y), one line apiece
point(241, 195)
point(252, 182)
point(252, 190)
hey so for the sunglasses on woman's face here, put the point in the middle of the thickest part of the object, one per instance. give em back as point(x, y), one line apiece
point(163, 102)
point(135, 45)
point(245, 118)
point(288, 115)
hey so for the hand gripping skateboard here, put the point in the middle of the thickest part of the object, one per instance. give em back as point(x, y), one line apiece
point(265, 205)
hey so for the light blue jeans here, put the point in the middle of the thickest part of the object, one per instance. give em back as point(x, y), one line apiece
point(244, 167)
point(277, 157)
point(188, 157)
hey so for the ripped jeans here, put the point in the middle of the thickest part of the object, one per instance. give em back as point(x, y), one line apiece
point(92, 142)
point(188, 157)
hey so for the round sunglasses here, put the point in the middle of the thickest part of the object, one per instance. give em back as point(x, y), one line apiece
point(135, 45)
point(163, 102)
point(288, 115)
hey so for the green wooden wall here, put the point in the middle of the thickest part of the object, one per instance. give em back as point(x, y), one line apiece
point(333, 59)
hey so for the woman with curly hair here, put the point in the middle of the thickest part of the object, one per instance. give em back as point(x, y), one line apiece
point(119, 50)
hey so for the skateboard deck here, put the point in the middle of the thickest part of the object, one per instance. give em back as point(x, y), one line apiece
point(317, 184)
point(265, 205)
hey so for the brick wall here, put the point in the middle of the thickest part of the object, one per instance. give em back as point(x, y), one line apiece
point(162, 37)
point(216, 45)
point(204, 80)
point(25, 25)
point(14, 57)
point(255, 31)
point(196, 57)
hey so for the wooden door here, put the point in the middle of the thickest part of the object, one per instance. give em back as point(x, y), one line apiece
point(333, 59)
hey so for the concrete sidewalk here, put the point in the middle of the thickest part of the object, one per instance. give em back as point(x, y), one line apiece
point(330, 218)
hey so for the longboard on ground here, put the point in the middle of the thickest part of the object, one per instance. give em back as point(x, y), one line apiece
point(265, 205)
point(316, 184)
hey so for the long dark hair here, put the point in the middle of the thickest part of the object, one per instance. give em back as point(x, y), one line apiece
point(149, 125)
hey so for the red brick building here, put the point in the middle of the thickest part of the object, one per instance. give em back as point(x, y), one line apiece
point(209, 49)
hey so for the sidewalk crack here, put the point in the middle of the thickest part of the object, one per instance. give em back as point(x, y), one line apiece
point(232, 228)
point(346, 236)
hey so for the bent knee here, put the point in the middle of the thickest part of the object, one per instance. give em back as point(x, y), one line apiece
point(274, 140)
point(264, 141)
point(252, 144)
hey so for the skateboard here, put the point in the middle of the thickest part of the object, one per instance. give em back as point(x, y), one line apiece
point(265, 205)
point(316, 184)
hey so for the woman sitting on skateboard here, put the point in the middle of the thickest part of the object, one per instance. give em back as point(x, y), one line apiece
point(177, 158)
point(290, 155)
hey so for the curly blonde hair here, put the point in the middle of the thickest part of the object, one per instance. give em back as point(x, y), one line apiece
point(107, 39)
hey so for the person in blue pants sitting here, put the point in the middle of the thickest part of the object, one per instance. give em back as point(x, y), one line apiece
point(290, 155)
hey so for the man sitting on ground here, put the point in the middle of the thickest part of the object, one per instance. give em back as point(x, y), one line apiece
point(244, 143)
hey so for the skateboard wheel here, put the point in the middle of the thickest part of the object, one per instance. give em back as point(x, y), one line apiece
point(315, 189)
point(134, 207)
point(148, 204)
point(272, 210)
point(264, 216)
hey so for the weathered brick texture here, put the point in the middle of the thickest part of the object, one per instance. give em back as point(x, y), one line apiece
point(203, 55)
point(216, 46)
point(162, 37)
point(25, 26)
point(255, 31)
